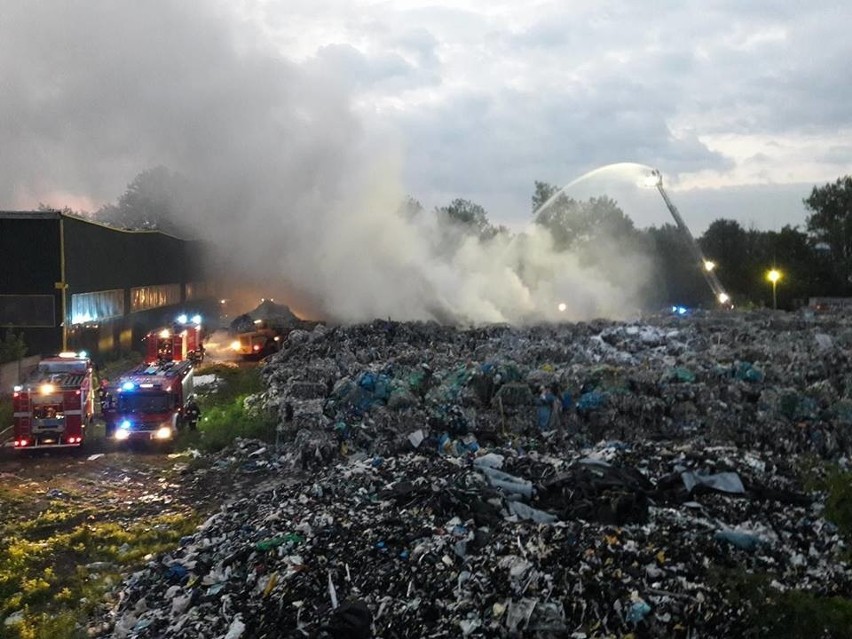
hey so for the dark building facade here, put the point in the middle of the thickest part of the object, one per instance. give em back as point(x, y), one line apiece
point(67, 283)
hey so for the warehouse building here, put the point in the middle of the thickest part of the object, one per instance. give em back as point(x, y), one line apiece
point(68, 283)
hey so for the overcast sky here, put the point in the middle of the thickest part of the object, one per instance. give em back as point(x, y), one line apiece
point(743, 106)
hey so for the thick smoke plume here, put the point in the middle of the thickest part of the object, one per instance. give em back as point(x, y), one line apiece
point(281, 173)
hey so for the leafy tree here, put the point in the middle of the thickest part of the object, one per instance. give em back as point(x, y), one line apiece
point(730, 247)
point(679, 278)
point(465, 213)
point(151, 202)
point(573, 223)
point(467, 216)
point(12, 347)
point(831, 224)
point(560, 216)
point(410, 208)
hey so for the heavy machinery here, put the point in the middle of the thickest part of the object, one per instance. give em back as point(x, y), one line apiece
point(707, 266)
point(262, 331)
point(264, 339)
point(149, 402)
point(54, 404)
point(182, 341)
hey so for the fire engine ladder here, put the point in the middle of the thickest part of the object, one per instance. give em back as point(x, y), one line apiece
point(704, 264)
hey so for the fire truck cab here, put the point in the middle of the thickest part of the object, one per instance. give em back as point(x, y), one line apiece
point(182, 341)
point(150, 401)
point(54, 404)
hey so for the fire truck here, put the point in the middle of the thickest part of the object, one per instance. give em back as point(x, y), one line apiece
point(182, 341)
point(54, 404)
point(149, 402)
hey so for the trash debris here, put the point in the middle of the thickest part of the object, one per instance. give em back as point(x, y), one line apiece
point(452, 512)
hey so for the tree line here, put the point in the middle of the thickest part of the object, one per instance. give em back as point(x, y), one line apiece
point(815, 260)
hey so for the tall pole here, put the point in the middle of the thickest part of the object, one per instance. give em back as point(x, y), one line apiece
point(62, 285)
point(774, 298)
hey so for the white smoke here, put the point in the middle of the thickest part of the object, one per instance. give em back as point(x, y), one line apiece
point(283, 176)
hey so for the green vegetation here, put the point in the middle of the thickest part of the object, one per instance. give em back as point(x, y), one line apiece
point(5, 413)
point(59, 560)
point(836, 483)
point(57, 566)
point(12, 347)
point(768, 612)
point(838, 504)
point(227, 415)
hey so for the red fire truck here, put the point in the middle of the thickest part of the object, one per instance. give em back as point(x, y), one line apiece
point(149, 402)
point(55, 404)
point(180, 342)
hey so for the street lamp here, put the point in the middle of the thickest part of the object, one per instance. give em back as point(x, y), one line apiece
point(773, 276)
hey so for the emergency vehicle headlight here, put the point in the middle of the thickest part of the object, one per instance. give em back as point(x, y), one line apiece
point(182, 319)
point(235, 345)
point(47, 389)
point(121, 434)
point(196, 319)
point(17, 389)
point(127, 386)
point(164, 432)
point(125, 425)
point(82, 354)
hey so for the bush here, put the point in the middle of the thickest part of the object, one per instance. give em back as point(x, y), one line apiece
point(838, 503)
point(5, 413)
point(12, 347)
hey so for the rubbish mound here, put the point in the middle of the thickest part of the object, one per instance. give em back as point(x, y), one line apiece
point(583, 480)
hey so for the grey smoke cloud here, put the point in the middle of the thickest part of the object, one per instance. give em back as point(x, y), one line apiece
point(283, 175)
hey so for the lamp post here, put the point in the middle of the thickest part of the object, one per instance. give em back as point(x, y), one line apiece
point(773, 276)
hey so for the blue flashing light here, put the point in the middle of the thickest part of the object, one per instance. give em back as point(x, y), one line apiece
point(182, 319)
point(196, 319)
point(125, 424)
point(127, 386)
point(681, 310)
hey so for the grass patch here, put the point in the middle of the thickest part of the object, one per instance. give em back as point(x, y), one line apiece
point(838, 503)
point(221, 424)
point(58, 579)
point(793, 614)
point(836, 483)
point(225, 413)
point(47, 552)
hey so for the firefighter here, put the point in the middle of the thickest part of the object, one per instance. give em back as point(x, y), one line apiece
point(192, 414)
point(103, 393)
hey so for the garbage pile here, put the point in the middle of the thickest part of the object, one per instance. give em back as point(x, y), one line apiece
point(760, 381)
point(583, 480)
point(602, 542)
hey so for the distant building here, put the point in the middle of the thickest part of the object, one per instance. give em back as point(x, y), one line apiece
point(67, 283)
